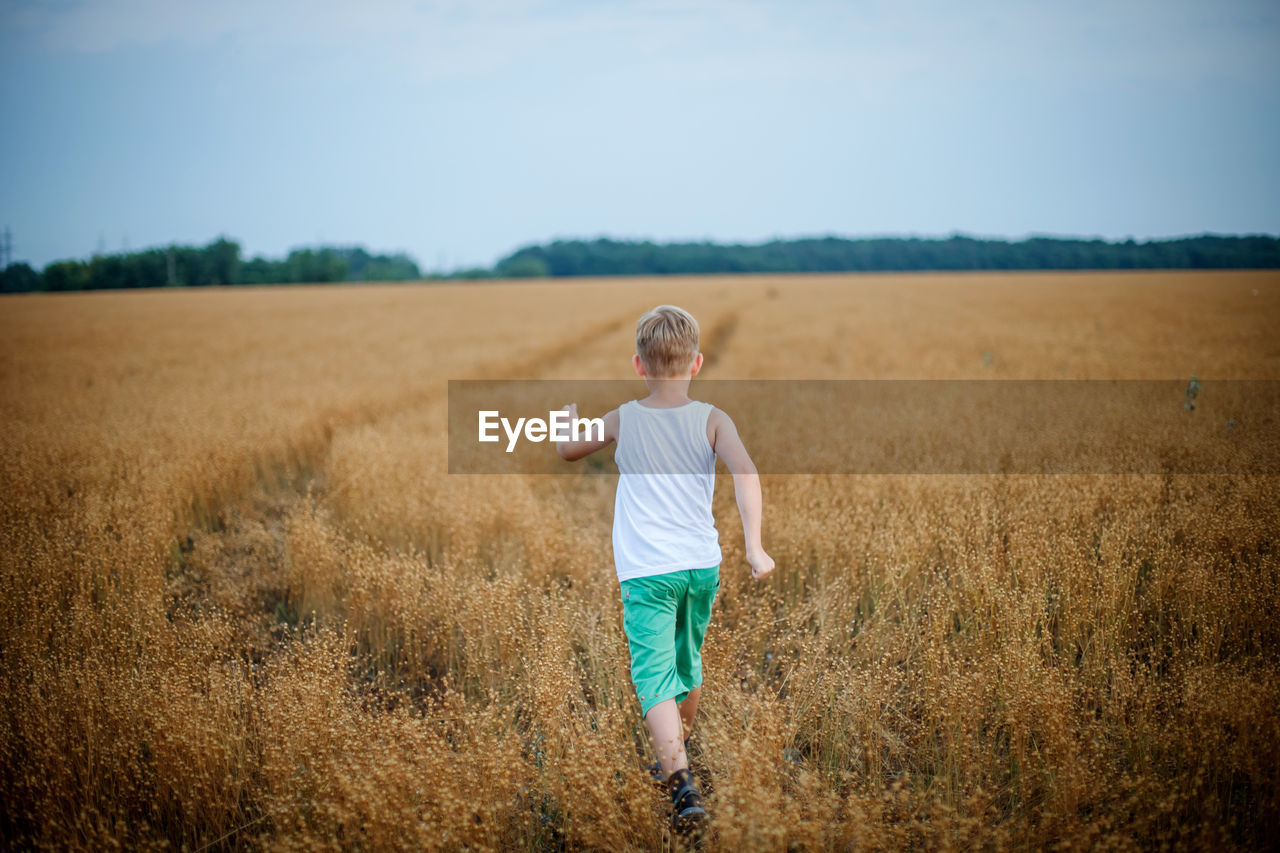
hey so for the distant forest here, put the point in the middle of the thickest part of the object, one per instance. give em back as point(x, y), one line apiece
point(219, 263)
point(836, 254)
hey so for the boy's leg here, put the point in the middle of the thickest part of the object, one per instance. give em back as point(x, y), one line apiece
point(690, 703)
point(688, 708)
point(663, 722)
point(693, 614)
point(666, 720)
point(649, 618)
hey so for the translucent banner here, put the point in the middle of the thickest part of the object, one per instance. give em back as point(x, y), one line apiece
point(900, 426)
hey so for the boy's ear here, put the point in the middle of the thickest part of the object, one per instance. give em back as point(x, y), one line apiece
point(697, 365)
point(637, 364)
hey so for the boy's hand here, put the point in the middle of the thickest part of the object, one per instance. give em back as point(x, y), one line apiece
point(761, 563)
point(572, 409)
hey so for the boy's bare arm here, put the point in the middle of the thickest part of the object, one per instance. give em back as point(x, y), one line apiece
point(727, 444)
point(575, 450)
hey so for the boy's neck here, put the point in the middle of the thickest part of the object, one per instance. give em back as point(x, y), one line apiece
point(667, 393)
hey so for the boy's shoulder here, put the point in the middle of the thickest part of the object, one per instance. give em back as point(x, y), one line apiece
point(722, 432)
point(718, 415)
point(611, 420)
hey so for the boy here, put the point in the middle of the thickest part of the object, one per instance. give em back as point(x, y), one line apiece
point(665, 546)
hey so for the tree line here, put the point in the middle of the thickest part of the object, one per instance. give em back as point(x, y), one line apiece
point(219, 262)
point(835, 254)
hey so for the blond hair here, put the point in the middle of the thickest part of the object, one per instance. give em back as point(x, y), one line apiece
point(666, 341)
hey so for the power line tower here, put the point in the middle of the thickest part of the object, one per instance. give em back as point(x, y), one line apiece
point(6, 249)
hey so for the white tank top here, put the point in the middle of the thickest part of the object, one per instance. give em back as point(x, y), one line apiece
point(662, 519)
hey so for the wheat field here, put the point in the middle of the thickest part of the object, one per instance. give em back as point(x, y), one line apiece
point(243, 605)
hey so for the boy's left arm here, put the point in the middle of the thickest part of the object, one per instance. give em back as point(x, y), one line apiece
point(574, 450)
point(727, 444)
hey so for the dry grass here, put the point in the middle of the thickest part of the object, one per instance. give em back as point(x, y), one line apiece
point(242, 605)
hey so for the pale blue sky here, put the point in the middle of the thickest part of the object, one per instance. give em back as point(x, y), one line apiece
point(458, 131)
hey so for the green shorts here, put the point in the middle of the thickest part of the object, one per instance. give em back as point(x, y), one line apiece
point(665, 618)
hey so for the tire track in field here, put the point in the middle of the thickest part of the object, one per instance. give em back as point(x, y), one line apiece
point(717, 338)
point(545, 359)
point(299, 467)
point(531, 366)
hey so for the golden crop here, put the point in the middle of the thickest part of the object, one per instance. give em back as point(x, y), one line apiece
point(242, 604)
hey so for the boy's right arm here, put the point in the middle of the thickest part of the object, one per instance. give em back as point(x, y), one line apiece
point(728, 445)
point(575, 450)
